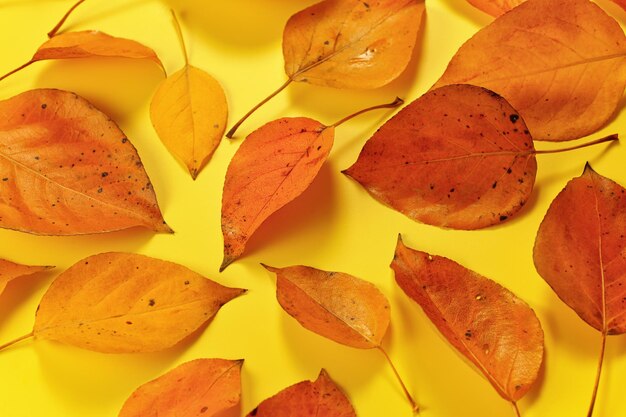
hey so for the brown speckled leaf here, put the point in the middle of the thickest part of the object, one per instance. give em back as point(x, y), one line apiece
point(9, 271)
point(66, 168)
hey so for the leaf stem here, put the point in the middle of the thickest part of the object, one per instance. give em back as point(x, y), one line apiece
point(233, 129)
point(21, 67)
point(397, 102)
point(414, 406)
point(19, 339)
point(609, 138)
point(598, 374)
point(179, 33)
point(55, 29)
point(516, 408)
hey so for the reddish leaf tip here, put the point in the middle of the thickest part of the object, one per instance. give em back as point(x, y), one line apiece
point(270, 268)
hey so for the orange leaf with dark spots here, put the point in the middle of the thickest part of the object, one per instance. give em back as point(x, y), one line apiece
point(321, 397)
point(199, 388)
point(66, 169)
point(9, 271)
point(488, 324)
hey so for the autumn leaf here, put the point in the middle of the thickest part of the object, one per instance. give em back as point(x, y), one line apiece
point(9, 271)
point(495, 7)
point(488, 324)
point(338, 306)
point(89, 44)
point(202, 387)
point(580, 251)
point(544, 57)
point(122, 302)
point(348, 44)
point(321, 397)
point(67, 169)
point(273, 166)
point(189, 113)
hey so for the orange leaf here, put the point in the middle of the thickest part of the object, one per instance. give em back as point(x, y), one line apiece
point(459, 156)
point(335, 305)
point(66, 169)
point(488, 324)
point(274, 165)
point(307, 399)
point(121, 302)
point(544, 57)
point(351, 44)
point(9, 271)
point(580, 250)
point(495, 7)
point(202, 387)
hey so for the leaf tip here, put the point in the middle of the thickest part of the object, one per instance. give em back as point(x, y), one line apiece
point(588, 168)
point(269, 268)
point(227, 261)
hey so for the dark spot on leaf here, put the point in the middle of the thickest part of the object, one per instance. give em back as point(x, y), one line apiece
point(151, 302)
point(494, 185)
point(100, 190)
point(5, 179)
point(186, 282)
point(44, 105)
point(503, 218)
point(124, 140)
point(514, 118)
point(104, 174)
point(204, 409)
point(129, 322)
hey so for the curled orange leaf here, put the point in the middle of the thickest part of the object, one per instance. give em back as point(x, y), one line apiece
point(10, 270)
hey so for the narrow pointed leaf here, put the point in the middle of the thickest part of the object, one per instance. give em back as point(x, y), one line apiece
point(488, 324)
point(66, 168)
point(351, 43)
point(120, 302)
point(580, 250)
point(9, 271)
point(273, 166)
point(321, 397)
point(200, 388)
point(189, 112)
point(544, 57)
point(459, 156)
point(335, 305)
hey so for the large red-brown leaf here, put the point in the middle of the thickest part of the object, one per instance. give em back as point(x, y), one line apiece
point(488, 324)
point(66, 168)
point(459, 156)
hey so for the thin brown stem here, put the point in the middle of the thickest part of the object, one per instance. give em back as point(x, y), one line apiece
point(414, 406)
point(516, 409)
point(596, 385)
point(179, 33)
point(63, 19)
point(21, 67)
point(19, 339)
point(397, 102)
point(233, 129)
point(609, 138)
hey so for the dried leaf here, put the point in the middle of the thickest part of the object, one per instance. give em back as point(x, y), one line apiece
point(580, 250)
point(488, 324)
point(351, 44)
point(335, 305)
point(121, 302)
point(307, 399)
point(459, 156)
point(274, 165)
point(202, 387)
point(66, 169)
point(9, 271)
point(495, 7)
point(544, 57)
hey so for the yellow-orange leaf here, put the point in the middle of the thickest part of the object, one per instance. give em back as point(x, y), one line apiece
point(495, 7)
point(66, 168)
point(488, 324)
point(9, 271)
point(351, 43)
point(274, 165)
point(321, 397)
point(121, 302)
point(335, 305)
point(545, 57)
point(200, 388)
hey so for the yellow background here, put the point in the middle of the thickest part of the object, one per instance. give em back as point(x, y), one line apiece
point(335, 225)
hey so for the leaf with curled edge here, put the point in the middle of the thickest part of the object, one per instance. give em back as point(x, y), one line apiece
point(495, 7)
point(488, 324)
point(321, 397)
point(544, 57)
point(66, 169)
point(199, 388)
point(10, 270)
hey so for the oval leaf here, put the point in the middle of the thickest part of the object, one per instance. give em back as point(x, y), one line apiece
point(580, 250)
point(335, 305)
point(321, 397)
point(351, 44)
point(189, 113)
point(122, 302)
point(544, 57)
point(495, 7)
point(273, 166)
point(459, 156)
point(202, 387)
point(66, 169)
point(9, 271)
point(488, 324)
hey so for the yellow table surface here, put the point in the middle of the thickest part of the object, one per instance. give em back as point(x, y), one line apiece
point(334, 225)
